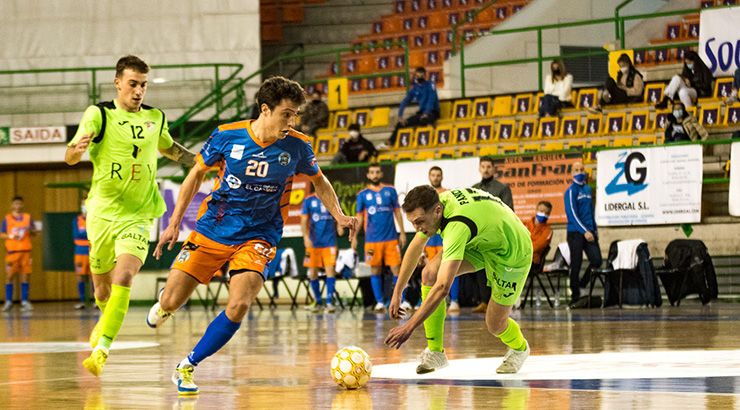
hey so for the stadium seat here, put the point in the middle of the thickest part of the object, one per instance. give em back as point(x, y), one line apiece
point(705, 4)
point(554, 146)
point(464, 133)
point(529, 148)
point(591, 157)
point(443, 135)
point(424, 137)
point(361, 117)
point(648, 140)
point(341, 120)
point(722, 87)
point(467, 152)
point(424, 155)
point(405, 138)
point(462, 110)
point(623, 142)
point(586, 98)
point(692, 30)
point(709, 115)
point(577, 145)
point(732, 115)
point(445, 112)
point(501, 106)
point(570, 126)
point(405, 156)
point(380, 117)
point(661, 120)
point(523, 104)
point(485, 133)
point(488, 150)
point(615, 123)
point(446, 153)
point(324, 145)
point(639, 122)
point(385, 157)
point(509, 149)
point(506, 131)
point(482, 108)
point(548, 127)
point(654, 93)
point(661, 56)
point(527, 129)
point(593, 125)
point(673, 31)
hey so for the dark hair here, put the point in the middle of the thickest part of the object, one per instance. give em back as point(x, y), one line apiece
point(486, 159)
point(423, 196)
point(624, 58)
point(316, 91)
point(373, 165)
point(558, 62)
point(435, 168)
point(683, 107)
point(17, 198)
point(131, 62)
point(421, 70)
point(354, 126)
point(276, 89)
point(546, 204)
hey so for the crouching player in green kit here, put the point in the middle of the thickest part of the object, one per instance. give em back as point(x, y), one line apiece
point(478, 231)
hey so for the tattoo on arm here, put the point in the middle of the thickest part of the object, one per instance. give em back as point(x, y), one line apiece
point(180, 154)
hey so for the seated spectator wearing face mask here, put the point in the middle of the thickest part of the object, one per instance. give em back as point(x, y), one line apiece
point(540, 231)
point(355, 149)
point(682, 126)
point(695, 81)
point(558, 86)
point(628, 88)
point(423, 93)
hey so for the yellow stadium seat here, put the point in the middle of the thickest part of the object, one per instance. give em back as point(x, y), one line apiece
point(446, 153)
point(385, 157)
point(615, 123)
point(425, 155)
point(462, 110)
point(692, 111)
point(340, 141)
point(654, 93)
point(501, 106)
point(341, 120)
point(506, 130)
point(464, 133)
point(554, 146)
point(445, 110)
point(722, 88)
point(523, 104)
point(380, 117)
point(405, 156)
point(527, 129)
point(467, 152)
point(591, 157)
point(623, 142)
point(586, 98)
point(593, 125)
point(709, 115)
point(528, 148)
point(639, 122)
point(732, 115)
point(570, 126)
point(484, 132)
point(661, 119)
point(361, 117)
point(548, 127)
point(509, 149)
point(482, 107)
point(577, 145)
point(650, 140)
point(424, 137)
point(443, 135)
point(323, 144)
point(405, 138)
point(488, 150)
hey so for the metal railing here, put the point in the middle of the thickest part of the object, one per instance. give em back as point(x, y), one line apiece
point(617, 20)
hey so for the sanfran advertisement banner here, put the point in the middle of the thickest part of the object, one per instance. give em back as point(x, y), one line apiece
point(645, 186)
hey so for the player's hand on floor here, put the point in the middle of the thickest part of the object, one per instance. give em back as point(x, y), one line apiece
point(398, 336)
point(170, 236)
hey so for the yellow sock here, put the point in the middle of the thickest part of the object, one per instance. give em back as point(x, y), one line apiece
point(513, 337)
point(113, 317)
point(434, 326)
point(101, 305)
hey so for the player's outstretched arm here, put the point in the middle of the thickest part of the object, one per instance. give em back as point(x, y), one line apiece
point(189, 188)
point(408, 264)
point(447, 272)
point(399, 221)
point(179, 154)
point(73, 155)
point(328, 197)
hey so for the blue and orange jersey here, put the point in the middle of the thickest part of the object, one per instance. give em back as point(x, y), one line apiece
point(378, 205)
point(79, 233)
point(17, 227)
point(320, 223)
point(435, 240)
point(251, 195)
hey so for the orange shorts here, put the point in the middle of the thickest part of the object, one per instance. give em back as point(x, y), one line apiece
point(202, 258)
point(82, 264)
point(320, 257)
point(378, 252)
point(18, 262)
point(432, 251)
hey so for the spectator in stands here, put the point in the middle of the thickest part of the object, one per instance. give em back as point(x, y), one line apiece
point(628, 88)
point(732, 99)
point(558, 86)
point(540, 231)
point(695, 81)
point(682, 126)
point(502, 191)
point(355, 149)
point(582, 235)
point(315, 115)
point(425, 94)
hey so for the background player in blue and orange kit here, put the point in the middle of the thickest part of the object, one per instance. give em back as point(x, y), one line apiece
point(434, 245)
point(242, 220)
point(320, 239)
point(377, 205)
point(82, 254)
point(16, 229)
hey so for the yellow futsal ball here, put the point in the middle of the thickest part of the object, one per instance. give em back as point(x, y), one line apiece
point(351, 367)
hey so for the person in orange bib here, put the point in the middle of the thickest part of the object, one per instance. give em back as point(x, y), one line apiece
point(16, 229)
point(82, 255)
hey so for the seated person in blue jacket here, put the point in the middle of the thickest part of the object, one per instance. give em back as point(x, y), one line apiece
point(423, 93)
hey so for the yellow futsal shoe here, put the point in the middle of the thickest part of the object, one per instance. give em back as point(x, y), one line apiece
point(96, 333)
point(94, 364)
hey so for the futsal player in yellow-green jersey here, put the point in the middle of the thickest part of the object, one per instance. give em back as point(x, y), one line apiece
point(123, 137)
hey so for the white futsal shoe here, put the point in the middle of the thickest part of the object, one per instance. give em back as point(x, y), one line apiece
point(513, 361)
point(157, 316)
point(379, 308)
point(431, 361)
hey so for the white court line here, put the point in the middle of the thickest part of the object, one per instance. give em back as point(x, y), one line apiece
point(65, 347)
point(608, 365)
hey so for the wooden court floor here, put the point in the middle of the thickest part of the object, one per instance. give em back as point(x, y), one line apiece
point(666, 358)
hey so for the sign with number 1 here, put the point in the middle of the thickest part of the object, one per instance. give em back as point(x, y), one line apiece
point(338, 92)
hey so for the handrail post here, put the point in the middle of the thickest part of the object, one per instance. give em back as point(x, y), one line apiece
point(462, 66)
point(218, 87)
point(94, 90)
point(619, 27)
point(408, 63)
point(622, 39)
point(539, 57)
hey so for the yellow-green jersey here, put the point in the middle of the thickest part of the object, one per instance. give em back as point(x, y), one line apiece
point(474, 220)
point(123, 151)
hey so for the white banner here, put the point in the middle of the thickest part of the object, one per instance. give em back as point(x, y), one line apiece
point(647, 186)
point(735, 179)
point(170, 190)
point(457, 173)
point(719, 40)
point(38, 135)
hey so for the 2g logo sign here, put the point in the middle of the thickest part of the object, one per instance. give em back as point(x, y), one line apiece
point(257, 168)
point(634, 174)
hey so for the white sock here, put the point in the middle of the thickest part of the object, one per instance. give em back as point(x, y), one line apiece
point(184, 362)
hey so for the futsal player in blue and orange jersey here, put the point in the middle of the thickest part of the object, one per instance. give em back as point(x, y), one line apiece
point(320, 239)
point(242, 220)
point(16, 229)
point(377, 206)
point(82, 254)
